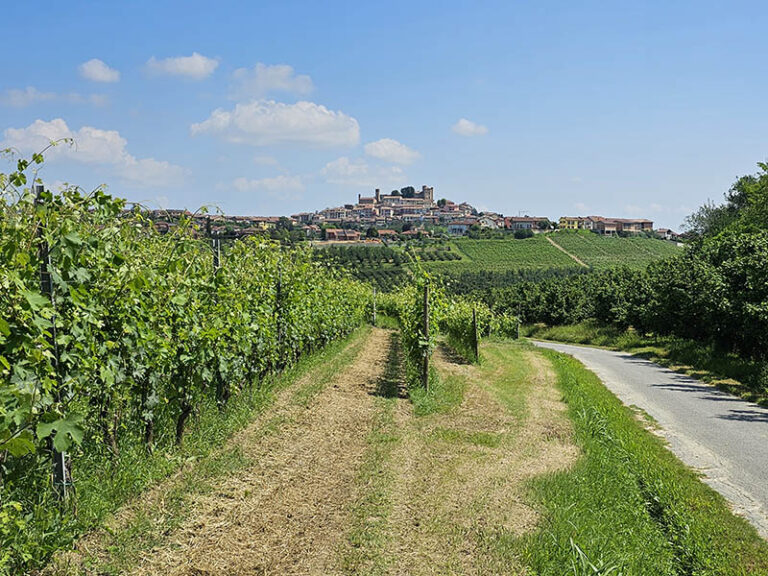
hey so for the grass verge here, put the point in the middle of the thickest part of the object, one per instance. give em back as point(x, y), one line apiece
point(728, 372)
point(629, 506)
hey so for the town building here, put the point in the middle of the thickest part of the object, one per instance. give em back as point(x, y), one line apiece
point(526, 223)
point(608, 226)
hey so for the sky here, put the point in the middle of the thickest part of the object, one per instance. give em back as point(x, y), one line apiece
point(642, 109)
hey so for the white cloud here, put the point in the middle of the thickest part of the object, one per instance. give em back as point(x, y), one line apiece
point(151, 172)
point(196, 67)
point(262, 79)
point(342, 170)
point(97, 71)
point(357, 172)
point(265, 122)
point(31, 95)
point(21, 98)
point(260, 160)
point(277, 184)
point(466, 127)
point(93, 146)
point(391, 151)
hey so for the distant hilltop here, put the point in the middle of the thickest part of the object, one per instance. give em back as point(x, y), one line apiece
point(381, 210)
point(404, 212)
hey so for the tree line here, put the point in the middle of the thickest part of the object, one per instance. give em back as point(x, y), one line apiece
point(715, 291)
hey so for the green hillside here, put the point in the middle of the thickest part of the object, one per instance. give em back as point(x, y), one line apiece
point(607, 251)
point(473, 264)
point(538, 253)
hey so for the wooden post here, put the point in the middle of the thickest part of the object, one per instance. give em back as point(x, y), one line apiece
point(374, 306)
point(475, 335)
point(425, 368)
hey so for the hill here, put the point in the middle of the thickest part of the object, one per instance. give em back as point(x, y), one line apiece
point(474, 264)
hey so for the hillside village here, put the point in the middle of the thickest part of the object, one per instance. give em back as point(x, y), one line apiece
point(401, 214)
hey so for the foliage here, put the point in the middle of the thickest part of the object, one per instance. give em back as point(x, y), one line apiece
point(745, 208)
point(139, 330)
point(715, 292)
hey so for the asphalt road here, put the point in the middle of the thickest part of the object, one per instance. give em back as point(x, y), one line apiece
point(711, 431)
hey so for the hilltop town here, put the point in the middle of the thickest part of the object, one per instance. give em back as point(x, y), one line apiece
point(404, 213)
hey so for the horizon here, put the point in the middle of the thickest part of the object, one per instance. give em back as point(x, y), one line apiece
point(631, 112)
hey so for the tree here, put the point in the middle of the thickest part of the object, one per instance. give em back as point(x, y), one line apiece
point(442, 202)
point(408, 192)
point(372, 232)
point(745, 208)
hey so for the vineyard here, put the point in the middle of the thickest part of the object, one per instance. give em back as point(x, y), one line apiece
point(608, 251)
point(114, 338)
point(155, 372)
point(112, 335)
point(467, 264)
point(528, 253)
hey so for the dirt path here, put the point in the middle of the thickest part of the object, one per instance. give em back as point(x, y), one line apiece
point(564, 251)
point(286, 513)
point(341, 476)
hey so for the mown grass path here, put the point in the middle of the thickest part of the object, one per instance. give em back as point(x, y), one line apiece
point(523, 464)
point(451, 492)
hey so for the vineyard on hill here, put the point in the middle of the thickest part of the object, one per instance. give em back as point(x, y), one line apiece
point(468, 264)
point(608, 251)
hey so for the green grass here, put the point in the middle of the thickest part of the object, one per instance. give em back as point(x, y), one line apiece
point(388, 322)
point(506, 373)
point(537, 253)
point(629, 506)
point(103, 486)
point(475, 438)
point(727, 371)
point(445, 393)
point(608, 251)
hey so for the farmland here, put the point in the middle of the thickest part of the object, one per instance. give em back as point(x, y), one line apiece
point(606, 251)
point(168, 408)
point(497, 262)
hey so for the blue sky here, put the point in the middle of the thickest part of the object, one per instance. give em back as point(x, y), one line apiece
point(545, 108)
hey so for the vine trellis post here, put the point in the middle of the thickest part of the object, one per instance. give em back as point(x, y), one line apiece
point(61, 461)
point(425, 366)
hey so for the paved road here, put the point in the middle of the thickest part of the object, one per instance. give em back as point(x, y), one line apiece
point(716, 433)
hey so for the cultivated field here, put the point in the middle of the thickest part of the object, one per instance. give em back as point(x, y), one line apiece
point(605, 251)
point(542, 253)
point(387, 267)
